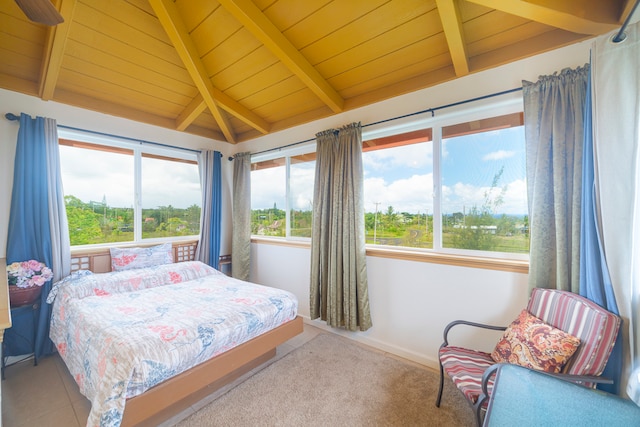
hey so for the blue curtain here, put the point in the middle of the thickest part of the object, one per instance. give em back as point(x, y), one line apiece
point(29, 235)
point(210, 167)
point(595, 282)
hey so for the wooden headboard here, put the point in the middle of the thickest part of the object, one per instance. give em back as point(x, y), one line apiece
point(99, 260)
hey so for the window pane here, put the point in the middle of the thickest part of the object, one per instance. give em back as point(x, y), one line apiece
point(268, 198)
point(301, 181)
point(484, 205)
point(398, 191)
point(98, 189)
point(170, 201)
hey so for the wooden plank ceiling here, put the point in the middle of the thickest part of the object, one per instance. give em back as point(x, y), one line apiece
point(233, 70)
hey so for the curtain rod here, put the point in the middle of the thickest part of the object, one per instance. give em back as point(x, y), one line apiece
point(428, 110)
point(12, 117)
point(621, 36)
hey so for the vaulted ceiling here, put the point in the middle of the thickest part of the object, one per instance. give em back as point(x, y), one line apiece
point(233, 70)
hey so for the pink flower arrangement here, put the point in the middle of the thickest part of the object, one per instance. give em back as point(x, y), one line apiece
point(27, 274)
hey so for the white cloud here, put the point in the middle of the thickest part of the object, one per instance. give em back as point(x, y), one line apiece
point(411, 195)
point(93, 175)
point(463, 197)
point(413, 156)
point(499, 155)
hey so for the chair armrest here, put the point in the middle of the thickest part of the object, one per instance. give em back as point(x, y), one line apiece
point(464, 322)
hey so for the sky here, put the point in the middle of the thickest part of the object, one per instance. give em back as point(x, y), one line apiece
point(91, 175)
point(402, 177)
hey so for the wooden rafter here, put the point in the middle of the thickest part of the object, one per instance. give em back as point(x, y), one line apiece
point(569, 16)
point(452, 24)
point(264, 30)
point(171, 21)
point(54, 51)
point(189, 114)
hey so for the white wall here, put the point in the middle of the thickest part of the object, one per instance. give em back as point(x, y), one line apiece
point(13, 102)
point(411, 302)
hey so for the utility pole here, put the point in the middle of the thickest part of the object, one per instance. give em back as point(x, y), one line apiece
point(375, 223)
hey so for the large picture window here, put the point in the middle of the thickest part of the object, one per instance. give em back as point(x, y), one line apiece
point(455, 187)
point(114, 193)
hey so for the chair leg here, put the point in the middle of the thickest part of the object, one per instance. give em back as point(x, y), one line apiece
point(439, 398)
point(477, 408)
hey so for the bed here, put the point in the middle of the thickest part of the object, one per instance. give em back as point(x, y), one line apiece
point(145, 343)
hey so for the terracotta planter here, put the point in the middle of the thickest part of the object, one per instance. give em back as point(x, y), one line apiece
point(23, 296)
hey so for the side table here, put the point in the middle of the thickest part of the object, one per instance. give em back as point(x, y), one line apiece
point(21, 337)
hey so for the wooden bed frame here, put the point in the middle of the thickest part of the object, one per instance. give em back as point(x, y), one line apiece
point(178, 393)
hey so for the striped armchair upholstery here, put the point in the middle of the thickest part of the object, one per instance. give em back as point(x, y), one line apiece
point(596, 327)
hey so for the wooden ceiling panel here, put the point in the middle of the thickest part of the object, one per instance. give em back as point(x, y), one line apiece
point(144, 75)
point(284, 14)
point(89, 86)
point(278, 90)
point(490, 24)
point(248, 66)
point(330, 18)
point(289, 105)
point(258, 89)
point(469, 10)
point(214, 30)
point(19, 66)
point(126, 20)
point(399, 61)
point(507, 37)
point(122, 82)
point(408, 72)
point(374, 24)
point(136, 38)
point(233, 70)
point(394, 40)
point(195, 12)
point(124, 52)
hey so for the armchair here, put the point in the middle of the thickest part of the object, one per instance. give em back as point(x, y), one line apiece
point(596, 328)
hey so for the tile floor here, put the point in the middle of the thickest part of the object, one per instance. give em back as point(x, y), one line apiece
point(47, 396)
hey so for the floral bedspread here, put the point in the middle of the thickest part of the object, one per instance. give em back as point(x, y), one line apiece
point(122, 333)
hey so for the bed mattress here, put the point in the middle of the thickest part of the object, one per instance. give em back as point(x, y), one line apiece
point(123, 333)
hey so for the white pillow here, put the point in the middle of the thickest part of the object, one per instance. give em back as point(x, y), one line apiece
point(130, 258)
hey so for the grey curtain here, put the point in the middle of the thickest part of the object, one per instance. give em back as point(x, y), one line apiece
point(60, 243)
point(339, 289)
point(554, 130)
point(210, 169)
point(241, 240)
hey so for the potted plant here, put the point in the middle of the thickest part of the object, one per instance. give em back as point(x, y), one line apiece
point(25, 281)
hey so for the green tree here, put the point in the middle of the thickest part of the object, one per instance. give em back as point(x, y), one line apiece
point(84, 224)
point(478, 229)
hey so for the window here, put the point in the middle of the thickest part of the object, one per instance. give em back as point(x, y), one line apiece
point(273, 213)
point(452, 185)
point(398, 195)
point(484, 204)
point(268, 198)
point(100, 178)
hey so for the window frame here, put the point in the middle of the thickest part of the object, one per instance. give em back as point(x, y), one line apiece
point(139, 149)
point(479, 110)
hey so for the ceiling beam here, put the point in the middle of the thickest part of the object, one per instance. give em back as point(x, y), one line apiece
point(56, 40)
point(571, 16)
point(264, 30)
point(452, 24)
point(189, 114)
point(173, 25)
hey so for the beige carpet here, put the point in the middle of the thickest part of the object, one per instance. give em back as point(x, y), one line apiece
point(331, 381)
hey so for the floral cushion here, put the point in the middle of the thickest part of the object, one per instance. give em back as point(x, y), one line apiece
point(530, 342)
point(131, 258)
